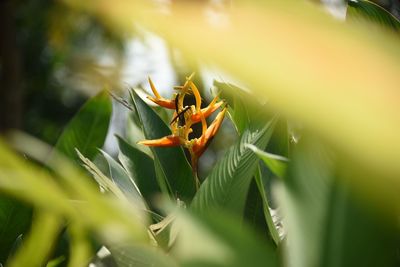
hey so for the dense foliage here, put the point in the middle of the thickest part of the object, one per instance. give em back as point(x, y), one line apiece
point(302, 185)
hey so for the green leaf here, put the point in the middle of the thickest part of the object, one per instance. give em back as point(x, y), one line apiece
point(304, 200)
point(134, 134)
point(243, 110)
point(227, 185)
point(279, 143)
point(369, 11)
point(140, 167)
point(277, 164)
point(354, 235)
point(244, 113)
point(15, 219)
point(162, 232)
point(262, 189)
point(72, 196)
point(254, 210)
point(326, 223)
point(40, 241)
point(140, 256)
point(56, 262)
point(170, 162)
point(123, 181)
point(221, 240)
point(88, 128)
point(106, 183)
point(81, 250)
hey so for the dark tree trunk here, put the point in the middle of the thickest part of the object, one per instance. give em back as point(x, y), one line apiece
point(10, 70)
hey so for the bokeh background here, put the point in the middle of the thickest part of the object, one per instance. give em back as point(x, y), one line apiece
point(333, 77)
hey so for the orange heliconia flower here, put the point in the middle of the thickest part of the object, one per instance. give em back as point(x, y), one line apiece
point(183, 119)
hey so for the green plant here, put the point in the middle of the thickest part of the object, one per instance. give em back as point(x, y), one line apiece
point(338, 201)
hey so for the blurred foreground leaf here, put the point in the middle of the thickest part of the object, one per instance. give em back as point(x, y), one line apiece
point(37, 247)
point(221, 240)
point(140, 256)
point(110, 218)
point(15, 219)
point(325, 221)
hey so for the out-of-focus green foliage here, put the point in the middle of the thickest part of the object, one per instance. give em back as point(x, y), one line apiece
point(14, 221)
point(58, 50)
point(327, 223)
point(335, 184)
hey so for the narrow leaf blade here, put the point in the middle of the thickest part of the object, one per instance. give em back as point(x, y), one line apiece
point(277, 164)
point(123, 181)
point(140, 167)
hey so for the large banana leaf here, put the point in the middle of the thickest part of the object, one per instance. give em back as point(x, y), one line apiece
point(88, 128)
point(227, 185)
point(244, 112)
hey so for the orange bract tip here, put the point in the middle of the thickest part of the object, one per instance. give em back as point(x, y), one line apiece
point(165, 103)
point(153, 88)
point(207, 111)
point(191, 76)
point(214, 127)
point(201, 144)
point(166, 141)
